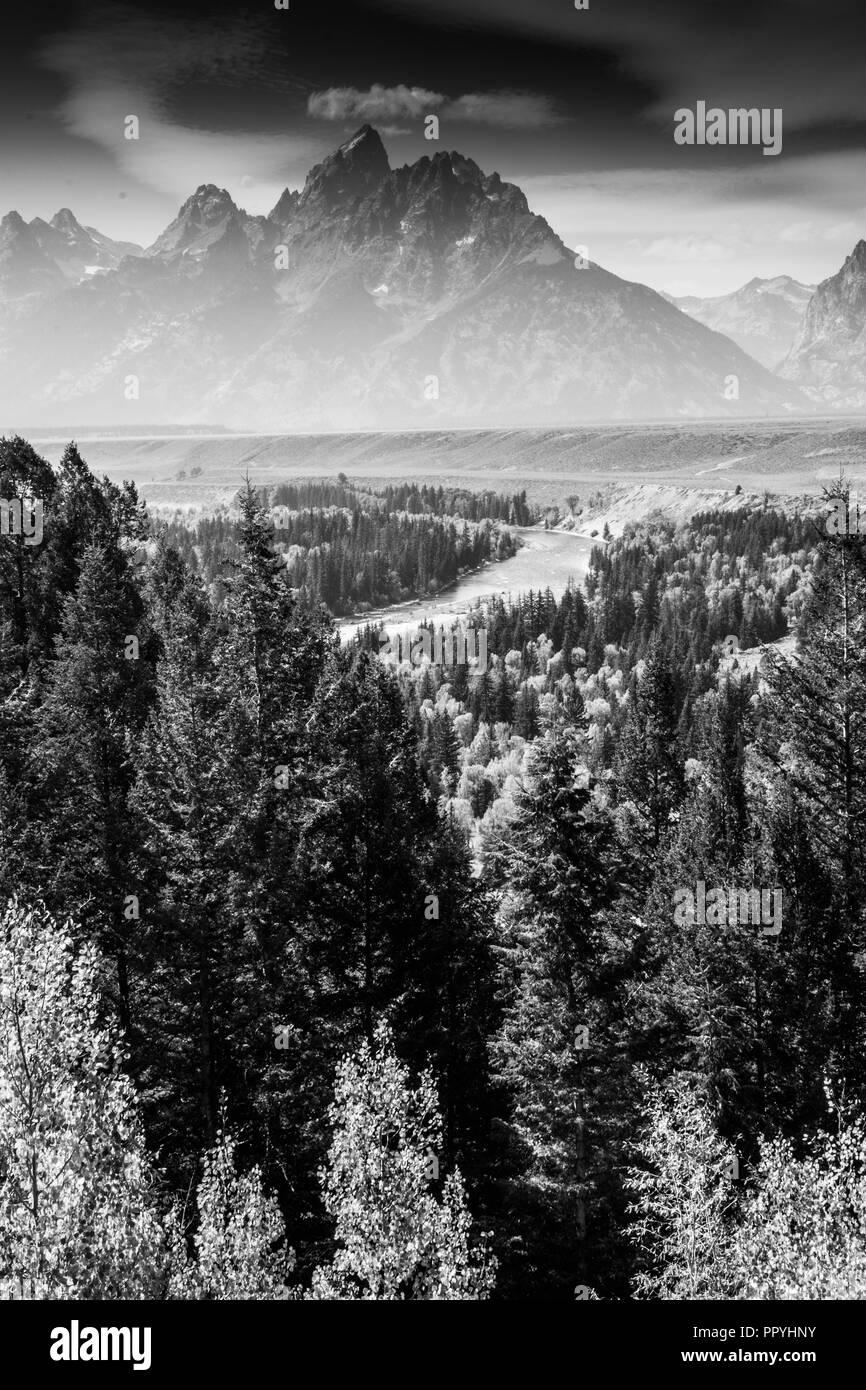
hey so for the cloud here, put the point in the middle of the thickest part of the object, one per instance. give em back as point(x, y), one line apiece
point(116, 66)
point(683, 248)
point(512, 110)
point(779, 53)
point(802, 233)
point(378, 104)
point(508, 110)
point(706, 232)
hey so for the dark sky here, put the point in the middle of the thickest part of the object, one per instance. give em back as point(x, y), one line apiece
point(575, 105)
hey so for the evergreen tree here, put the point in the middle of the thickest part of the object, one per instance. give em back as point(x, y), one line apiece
point(99, 689)
point(186, 804)
point(815, 738)
point(449, 1010)
point(559, 1051)
point(647, 771)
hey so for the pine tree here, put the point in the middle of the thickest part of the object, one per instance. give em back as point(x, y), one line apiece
point(704, 1008)
point(559, 1051)
point(186, 802)
point(815, 739)
point(99, 689)
point(269, 660)
point(647, 771)
point(443, 755)
point(26, 599)
point(364, 847)
point(449, 1011)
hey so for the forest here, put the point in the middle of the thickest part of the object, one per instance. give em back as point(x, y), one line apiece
point(326, 976)
point(354, 549)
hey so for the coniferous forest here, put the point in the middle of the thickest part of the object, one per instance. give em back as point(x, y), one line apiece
point(329, 975)
point(351, 549)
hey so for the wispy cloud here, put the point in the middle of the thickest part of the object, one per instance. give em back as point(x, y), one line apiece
point(377, 104)
point(509, 110)
point(683, 248)
point(116, 66)
point(708, 232)
point(779, 53)
point(512, 110)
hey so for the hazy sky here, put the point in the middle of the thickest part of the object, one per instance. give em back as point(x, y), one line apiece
point(577, 106)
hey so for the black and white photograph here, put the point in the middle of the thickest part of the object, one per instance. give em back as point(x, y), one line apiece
point(432, 669)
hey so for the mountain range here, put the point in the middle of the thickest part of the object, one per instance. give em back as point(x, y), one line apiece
point(44, 256)
point(763, 317)
point(421, 297)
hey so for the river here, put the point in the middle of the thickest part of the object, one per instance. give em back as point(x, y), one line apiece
point(546, 560)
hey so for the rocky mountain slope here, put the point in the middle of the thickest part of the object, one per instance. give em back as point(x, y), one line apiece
point(828, 358)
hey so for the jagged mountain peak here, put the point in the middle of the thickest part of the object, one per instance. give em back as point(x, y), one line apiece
point(13, 222)
point(78, 252)
point(857, 258)
point(365, 145)
point(64, 220)
point(285, 205)
point(205, 216)
point(210, 201)
point(848, 282)
point(24, 267)
point(358, 167)
point(460, 164)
